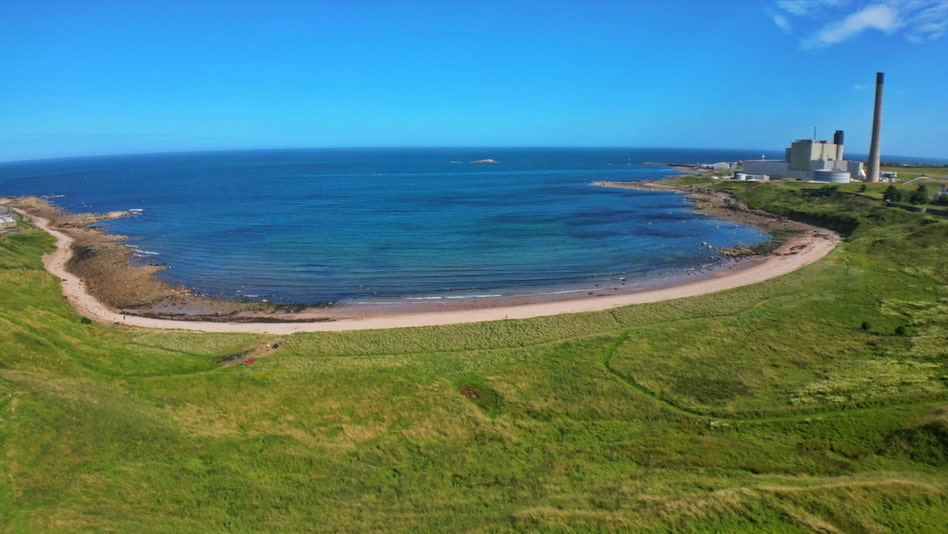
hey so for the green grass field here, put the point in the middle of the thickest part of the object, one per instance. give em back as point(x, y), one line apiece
point(814, 402)
point(907, 172)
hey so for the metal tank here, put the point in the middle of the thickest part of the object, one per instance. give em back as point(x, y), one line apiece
point(831, 176)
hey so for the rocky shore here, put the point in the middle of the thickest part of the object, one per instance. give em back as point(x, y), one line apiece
point(718, 204)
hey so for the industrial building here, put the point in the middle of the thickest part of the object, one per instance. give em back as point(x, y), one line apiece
point(821, 161)
point(810, 160)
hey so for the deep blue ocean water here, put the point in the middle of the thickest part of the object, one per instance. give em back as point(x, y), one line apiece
point(316, 226)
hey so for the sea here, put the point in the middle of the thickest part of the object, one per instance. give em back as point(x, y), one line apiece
point(324, 226)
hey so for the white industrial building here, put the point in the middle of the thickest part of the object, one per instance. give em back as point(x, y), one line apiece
point(810, 160)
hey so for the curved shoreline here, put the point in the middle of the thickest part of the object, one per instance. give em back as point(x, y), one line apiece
point(795, 253)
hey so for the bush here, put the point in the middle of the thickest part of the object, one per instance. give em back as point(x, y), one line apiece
point(893, 194)
point(920, 195)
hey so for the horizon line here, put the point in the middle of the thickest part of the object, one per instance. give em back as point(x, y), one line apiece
point(862, 157)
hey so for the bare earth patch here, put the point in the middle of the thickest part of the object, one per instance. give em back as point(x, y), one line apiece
point(471, 392)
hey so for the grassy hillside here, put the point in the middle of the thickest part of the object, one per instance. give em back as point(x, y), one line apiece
point(814, 402)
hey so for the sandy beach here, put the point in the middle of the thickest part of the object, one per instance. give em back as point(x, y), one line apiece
point(807, 247)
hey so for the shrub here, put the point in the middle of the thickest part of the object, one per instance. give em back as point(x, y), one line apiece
point(920, 195)
point(893, 194)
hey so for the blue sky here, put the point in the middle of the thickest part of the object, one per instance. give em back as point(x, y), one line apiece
point(85, 78)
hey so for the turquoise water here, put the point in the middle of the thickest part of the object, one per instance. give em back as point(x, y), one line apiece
point(315, 226)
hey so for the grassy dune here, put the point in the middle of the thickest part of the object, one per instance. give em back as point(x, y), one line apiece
point(814, 402)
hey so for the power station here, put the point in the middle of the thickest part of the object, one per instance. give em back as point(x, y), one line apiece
point(810, 160)
point(822, 161)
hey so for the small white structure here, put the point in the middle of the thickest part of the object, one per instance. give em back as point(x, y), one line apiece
point(744, 176)
point(6, 218)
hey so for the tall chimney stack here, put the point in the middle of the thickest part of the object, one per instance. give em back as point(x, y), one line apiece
point(873, 174)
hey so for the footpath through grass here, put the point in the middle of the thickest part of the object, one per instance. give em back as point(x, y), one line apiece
point(814, 402)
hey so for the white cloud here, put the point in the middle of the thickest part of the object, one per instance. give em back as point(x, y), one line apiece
point(781, 21)
point(929, 23)
point(804, 7)
point(838, 21)
point(878, 17)
point(795, 7)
